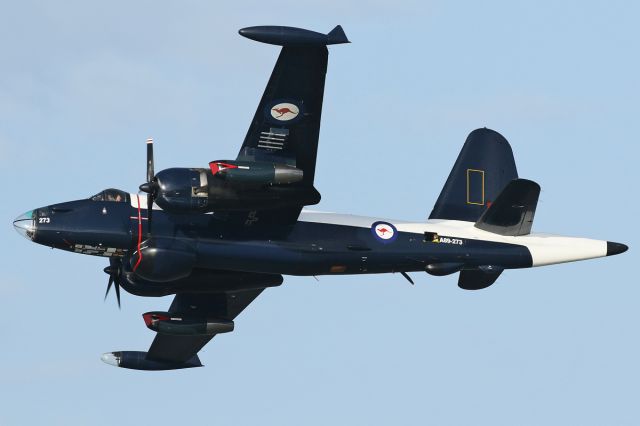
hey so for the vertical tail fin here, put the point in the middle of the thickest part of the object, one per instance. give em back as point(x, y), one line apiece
point(484, 167)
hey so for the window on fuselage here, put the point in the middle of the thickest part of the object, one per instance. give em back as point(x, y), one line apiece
point(111, 194)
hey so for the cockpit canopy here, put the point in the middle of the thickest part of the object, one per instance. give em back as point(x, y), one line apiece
point(111, 194)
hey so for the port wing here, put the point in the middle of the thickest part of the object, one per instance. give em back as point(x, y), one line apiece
point(177, 349)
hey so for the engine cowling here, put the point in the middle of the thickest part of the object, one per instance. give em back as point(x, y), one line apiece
point(181, 325)
point(182, 190)
point(232, 185)
point(162, 261)
point(255, 174)
point(199, 281)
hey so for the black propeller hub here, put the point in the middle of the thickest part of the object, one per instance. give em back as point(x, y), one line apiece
point(149, 187)
point(113, 270)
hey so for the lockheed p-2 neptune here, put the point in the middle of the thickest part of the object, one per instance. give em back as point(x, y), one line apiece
point(216, 237)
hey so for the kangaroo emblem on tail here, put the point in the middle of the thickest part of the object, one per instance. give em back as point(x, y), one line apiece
point(282, 111)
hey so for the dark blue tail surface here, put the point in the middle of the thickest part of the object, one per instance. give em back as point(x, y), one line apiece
point(483, 168)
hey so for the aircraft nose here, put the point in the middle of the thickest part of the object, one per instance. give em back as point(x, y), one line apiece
point(25, 224)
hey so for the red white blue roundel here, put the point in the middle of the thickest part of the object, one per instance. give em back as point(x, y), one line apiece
point(284, 111)
point(384, 232)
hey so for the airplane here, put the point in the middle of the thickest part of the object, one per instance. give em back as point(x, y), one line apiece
point(217, 237)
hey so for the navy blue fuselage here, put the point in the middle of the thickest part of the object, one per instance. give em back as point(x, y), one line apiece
point(107, 228)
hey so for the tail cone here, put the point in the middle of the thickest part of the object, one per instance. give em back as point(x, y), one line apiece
point(615, 248)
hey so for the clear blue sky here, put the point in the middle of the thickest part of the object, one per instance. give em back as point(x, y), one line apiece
point(83, 84)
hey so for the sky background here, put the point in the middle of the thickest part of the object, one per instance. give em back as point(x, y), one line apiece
point(83, 84)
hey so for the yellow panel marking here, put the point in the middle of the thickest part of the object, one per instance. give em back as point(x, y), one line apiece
point(469, 171)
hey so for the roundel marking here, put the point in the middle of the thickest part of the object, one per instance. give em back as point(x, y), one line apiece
point(284, 111)
point(384, 232)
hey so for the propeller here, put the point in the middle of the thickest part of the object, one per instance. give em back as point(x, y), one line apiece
point(113, 270)
point(151, 185)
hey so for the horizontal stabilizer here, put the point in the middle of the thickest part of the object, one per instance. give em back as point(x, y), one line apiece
point(512, 212)
point(479, 278)
point(290, 36)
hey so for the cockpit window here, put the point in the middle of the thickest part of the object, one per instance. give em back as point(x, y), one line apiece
point(111, 195)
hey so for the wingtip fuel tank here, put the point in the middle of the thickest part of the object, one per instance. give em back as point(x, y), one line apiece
point(136, 360)
point(290, 36)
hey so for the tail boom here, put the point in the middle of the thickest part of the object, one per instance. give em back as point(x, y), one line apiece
point(552, 249)
point(545, 249)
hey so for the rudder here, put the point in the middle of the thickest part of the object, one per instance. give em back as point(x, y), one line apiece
point(483, 169)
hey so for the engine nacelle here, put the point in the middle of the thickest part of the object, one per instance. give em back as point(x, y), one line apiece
point(182, 190)
point(232, 185)
point(180, 325)
point(162, 261)
point(255, 174)
point(199, 281)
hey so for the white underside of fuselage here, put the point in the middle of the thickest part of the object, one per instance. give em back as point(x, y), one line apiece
point(545, 249)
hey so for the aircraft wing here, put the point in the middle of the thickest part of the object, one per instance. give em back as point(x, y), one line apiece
point(180, 349)
point(286, 125)
point(193, 319)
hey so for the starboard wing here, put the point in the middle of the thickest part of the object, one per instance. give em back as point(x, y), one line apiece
point(285, 128)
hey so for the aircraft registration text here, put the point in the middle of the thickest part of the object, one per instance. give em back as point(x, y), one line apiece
point(447, 240)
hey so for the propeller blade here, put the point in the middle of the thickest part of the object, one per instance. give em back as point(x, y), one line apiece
point(108, 287)
point(404, 274)
point(149, 213)
point(150, 173)
point(117, 286)
point(114, 278)
point(150, 186)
